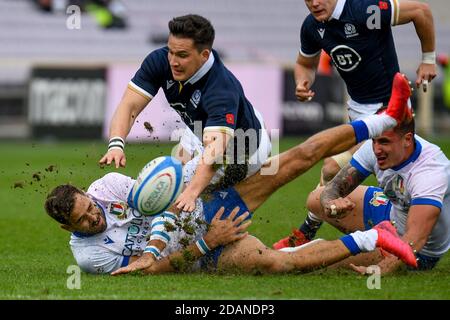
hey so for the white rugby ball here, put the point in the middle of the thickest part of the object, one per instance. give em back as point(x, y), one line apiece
point(157, 186)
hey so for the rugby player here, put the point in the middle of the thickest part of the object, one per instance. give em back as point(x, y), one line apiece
point(414, 179)
point(206, 95)
point(358, 37)
point(107, 231)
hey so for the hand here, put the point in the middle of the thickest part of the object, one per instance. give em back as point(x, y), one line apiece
point(144, 262)
point(116, 155)
point(186, 201)
point(425, 73)
point(302, 91)
point(339, 207)
point(360, 269)
point(223, 232)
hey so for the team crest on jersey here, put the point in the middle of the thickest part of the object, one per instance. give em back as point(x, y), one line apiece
point(350, 30)
point(379, 199)
point(195, 99)
point(119, 209)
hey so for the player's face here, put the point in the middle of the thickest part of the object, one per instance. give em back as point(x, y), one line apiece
point(321, 9)
point(184, 58)
point(86, 216)
point(391, 149)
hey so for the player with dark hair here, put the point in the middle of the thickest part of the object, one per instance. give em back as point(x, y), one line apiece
point(210, 101)
point(108, 233)
point(358, 37)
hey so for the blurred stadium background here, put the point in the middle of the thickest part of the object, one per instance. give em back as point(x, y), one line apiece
point(54, 79)
point(60, 85)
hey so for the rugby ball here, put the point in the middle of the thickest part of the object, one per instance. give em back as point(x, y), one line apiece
point(157, 186)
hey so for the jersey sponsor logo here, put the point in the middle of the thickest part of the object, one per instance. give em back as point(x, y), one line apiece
point(345, 58)
point(383, 5)
point(169, 84)
point(321, 31)
point(229, 118)
point(379, 199)
point(350, 30)
point(195, 99)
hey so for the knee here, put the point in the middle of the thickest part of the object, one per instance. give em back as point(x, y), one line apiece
point(329, 169)
point(313, 202)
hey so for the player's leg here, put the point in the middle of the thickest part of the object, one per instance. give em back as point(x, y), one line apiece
point(251, 255)
point(398, 108)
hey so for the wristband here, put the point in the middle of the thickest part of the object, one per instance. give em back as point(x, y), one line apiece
point(153, 250)
point(429, 57)
point(116, 143)
point(202, 246)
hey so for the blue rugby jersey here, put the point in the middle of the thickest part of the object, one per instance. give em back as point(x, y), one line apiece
point(362, 50)
point(212, 95)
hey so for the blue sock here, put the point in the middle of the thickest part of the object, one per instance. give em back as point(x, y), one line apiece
point(361, 130)
point(351, 245)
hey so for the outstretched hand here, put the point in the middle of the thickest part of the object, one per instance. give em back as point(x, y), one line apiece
point(144, 262)
point(186, 201)
point(425, 73)
point(114, 155)
point(228, 230)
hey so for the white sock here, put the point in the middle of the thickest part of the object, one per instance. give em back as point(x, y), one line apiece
point(378, 123)
point(366, 240)
point(313, 217)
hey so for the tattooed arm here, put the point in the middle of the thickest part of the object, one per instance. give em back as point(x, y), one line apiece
point(333, 197)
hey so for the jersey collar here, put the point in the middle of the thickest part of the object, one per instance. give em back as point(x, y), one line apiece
point(338, 9)
point(203, 70)
point(412, 158)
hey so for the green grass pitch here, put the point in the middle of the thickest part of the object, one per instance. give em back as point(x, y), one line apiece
point(35, 252)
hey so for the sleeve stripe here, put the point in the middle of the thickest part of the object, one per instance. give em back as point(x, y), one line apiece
point(425, 201)
point(132, 86)
point(309, 55)
point(225, 130)
point(158, 223)
point(125, 261)
point(167, 214)
point(160, 233)
point(360, 168)
point(395, 10)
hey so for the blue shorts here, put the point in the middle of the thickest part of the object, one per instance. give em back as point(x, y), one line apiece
point(229, 199)
point(377, 208)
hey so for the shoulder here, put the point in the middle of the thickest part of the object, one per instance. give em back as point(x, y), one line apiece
point(111, 185)
point(95, 258)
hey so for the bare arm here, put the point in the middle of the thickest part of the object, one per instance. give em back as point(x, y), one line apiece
point(215, 143)
point(420, 14)
point(420, 223)
point(129, 108)
point(305, 74)
point(222, 232)
point(333, 198)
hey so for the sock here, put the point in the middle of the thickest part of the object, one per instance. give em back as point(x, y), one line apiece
point(310, 226)
point(372, 126)
point(361, 241)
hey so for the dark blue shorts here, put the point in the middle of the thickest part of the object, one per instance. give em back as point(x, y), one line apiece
point(377, 208)
point(229, 199)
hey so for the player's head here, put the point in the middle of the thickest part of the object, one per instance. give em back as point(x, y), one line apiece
point(74, 210)
point(190, 43)
point(321, 9)
point(394, 146)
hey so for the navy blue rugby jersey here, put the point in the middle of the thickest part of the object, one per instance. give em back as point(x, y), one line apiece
point(212, 95)
point(358, 38)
